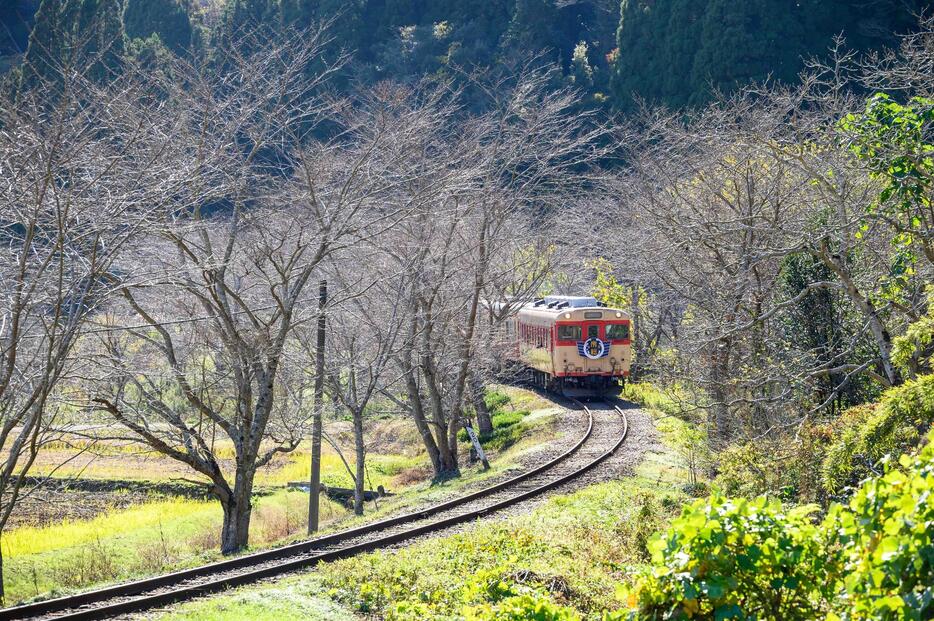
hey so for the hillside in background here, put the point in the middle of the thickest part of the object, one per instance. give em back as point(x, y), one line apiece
point(674, 52)
point(678, 52)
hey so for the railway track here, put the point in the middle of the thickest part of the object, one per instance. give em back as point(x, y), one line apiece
point(606, 431)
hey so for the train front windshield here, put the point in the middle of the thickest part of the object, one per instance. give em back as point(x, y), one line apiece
point(569, 333)
point(617, 331)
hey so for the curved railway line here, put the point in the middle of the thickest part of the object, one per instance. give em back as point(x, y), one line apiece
point(607, 429)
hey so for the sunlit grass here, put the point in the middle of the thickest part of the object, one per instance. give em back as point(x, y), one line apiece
point(177, 511)
point(576, 549)
point(380, 469)
point(171, 533)
point(141, 540)
point(291, 600)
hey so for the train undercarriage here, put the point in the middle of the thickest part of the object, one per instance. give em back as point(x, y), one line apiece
point(583, 386)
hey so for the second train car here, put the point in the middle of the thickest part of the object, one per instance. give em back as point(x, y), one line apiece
point(572, 345)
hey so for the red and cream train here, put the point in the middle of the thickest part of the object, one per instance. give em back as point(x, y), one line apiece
point(571, 345)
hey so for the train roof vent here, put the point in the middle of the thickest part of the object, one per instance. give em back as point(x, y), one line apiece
point(571, 301)
point(538, 302)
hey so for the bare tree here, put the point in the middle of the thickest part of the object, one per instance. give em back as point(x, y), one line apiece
point(752, 216)
point(530, 151)
point(364, 335)
point(82, 167)
point(222, 283)
point(221, 297)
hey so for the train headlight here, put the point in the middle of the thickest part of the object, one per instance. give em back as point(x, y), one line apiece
point(619, 314)
point(567, 315)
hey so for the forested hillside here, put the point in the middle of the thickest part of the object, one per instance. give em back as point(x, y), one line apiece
point(679, 52)
point(674, 52)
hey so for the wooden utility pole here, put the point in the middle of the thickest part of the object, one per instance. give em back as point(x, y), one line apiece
point(317, 426)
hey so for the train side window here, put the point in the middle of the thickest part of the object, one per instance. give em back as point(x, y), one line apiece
point(617, 331)
point(569, 333)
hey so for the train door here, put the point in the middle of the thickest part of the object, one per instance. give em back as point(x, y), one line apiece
point(591, 331)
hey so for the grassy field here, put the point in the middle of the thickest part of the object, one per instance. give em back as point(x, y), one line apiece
point(575, 550)
point(573, 553)
point(168, 532)
point(140, 540)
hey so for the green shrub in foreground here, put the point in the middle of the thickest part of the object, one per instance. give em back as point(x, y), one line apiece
point(886, 537)
point(737, 559)
point(789, 468)
point(734, 559)
point(521, 608)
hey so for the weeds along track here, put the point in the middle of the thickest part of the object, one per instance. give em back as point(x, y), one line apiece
point(607, 427)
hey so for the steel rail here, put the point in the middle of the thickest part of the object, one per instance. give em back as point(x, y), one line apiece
point(76, 606)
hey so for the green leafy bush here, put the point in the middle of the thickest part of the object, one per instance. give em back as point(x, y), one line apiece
point(737, 559)
point(787, 468)
point(872, 558)
point(496, 400)
point(896, 425)
point(886, 535)
point(912, 351)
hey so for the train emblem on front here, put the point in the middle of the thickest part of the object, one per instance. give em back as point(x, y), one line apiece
point(593, 348)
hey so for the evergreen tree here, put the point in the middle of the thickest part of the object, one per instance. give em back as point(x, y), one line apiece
point(167, 18)
point(535, 26)
point(45, 53)
point(678, 52)
point(743, 42)
point(101, 37)
point(657, 43)
point(345, 18)
point(242, 20)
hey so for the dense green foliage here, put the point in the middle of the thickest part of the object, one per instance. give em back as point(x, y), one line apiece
point(894, 140)
point(66, 31)
point(898, 423)
point(166, 18)
point(678, 52)
point(886, 536)
point(828, 458)
point(728, 559)
point(872, 558)
point(824, 322)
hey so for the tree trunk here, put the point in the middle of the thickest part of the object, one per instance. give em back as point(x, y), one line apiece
point(447, 450)
point(238, 508)
point(360, 455)
point(477, 390)
point(2, 585)
point(880, 333)
point(724, 423)
point(421, 423)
